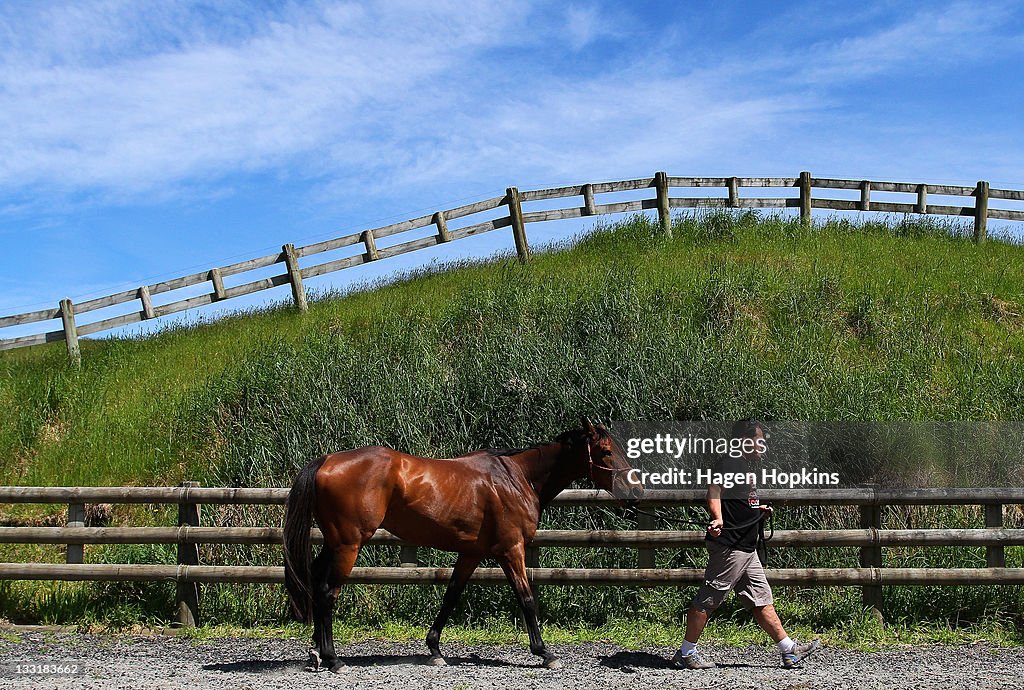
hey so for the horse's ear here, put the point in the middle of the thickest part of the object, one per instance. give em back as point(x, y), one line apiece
point(587, 425)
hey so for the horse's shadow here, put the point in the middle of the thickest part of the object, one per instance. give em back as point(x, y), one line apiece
point(628, 661)
point(278, 665)
point(255, 666)
point(631, 660)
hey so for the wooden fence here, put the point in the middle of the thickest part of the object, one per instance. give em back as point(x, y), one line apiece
point(514, 216)
point(187, 573)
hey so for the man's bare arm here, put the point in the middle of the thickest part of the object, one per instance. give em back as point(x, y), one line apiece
point(715, 508)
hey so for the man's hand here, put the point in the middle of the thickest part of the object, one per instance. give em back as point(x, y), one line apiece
point(715, 528)
point(767, 509)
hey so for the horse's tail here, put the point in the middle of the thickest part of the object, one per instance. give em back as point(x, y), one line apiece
point(298, 520)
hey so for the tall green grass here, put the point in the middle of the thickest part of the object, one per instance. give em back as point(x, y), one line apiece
point(736, 315)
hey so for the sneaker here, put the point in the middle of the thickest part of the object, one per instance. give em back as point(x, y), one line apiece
point(692, 661)
point(800, 651)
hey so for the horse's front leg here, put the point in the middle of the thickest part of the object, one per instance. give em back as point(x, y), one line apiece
point(513, 562)
point(463, 570)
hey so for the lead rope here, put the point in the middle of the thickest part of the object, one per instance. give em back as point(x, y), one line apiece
point(762, 538)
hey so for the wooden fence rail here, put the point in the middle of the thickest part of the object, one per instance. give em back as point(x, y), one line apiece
point(569, 497)
point(513, 215)
point(545, 537)
point(651, 577)
point(187, 574)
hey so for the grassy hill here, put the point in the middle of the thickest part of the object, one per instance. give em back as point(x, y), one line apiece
point(736, 315)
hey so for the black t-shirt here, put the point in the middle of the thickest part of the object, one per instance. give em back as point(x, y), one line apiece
point(740, 513)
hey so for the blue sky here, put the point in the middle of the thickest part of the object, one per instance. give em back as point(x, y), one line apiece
point(144, 140)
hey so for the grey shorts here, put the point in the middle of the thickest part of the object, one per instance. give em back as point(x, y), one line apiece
point(731, 569)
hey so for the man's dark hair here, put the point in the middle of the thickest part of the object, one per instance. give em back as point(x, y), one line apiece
point(746, 428)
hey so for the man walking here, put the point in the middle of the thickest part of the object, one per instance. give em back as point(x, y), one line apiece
point(731, 539)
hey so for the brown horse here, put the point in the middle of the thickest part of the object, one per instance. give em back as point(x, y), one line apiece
point(483, 505)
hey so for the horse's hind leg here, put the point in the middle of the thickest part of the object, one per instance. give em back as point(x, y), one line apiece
point(513, 562)
point(339, 563)
point(463, 570)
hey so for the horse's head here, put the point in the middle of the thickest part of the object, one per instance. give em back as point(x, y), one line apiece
point(607, 466)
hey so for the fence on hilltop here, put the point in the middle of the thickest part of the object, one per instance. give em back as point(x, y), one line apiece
point(901, 197)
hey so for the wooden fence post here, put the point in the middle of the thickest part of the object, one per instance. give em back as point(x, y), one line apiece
point(805, 198)
point(291, 261)
point(865, 195)
point(147, 302)
point(67, 316)
point(734, 192)
point(76, 518)
point(218, 284)
point(922, 199)
point(980, 212)
point(442, 228)
point(515, 212)
point(661, 183)
point(187, 598)
point(589, 207)
point(409, 557)
point(995, 556)
point(871, 556)
point(645, 556)
point(370, 243)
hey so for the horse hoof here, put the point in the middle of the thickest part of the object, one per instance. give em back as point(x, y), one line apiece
point(552, 663)
point(437, 661)
point(313, 665)
point(338, 667)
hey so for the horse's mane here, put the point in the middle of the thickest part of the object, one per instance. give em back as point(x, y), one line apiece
point(570, 437)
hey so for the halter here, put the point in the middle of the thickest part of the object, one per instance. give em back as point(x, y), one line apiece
point(591, 465)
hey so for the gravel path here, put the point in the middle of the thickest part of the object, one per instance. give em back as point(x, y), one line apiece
point(165, 662)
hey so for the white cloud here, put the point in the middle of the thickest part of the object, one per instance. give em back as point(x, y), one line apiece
point(586, 24)
point(935, 37)
point(132, 124)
